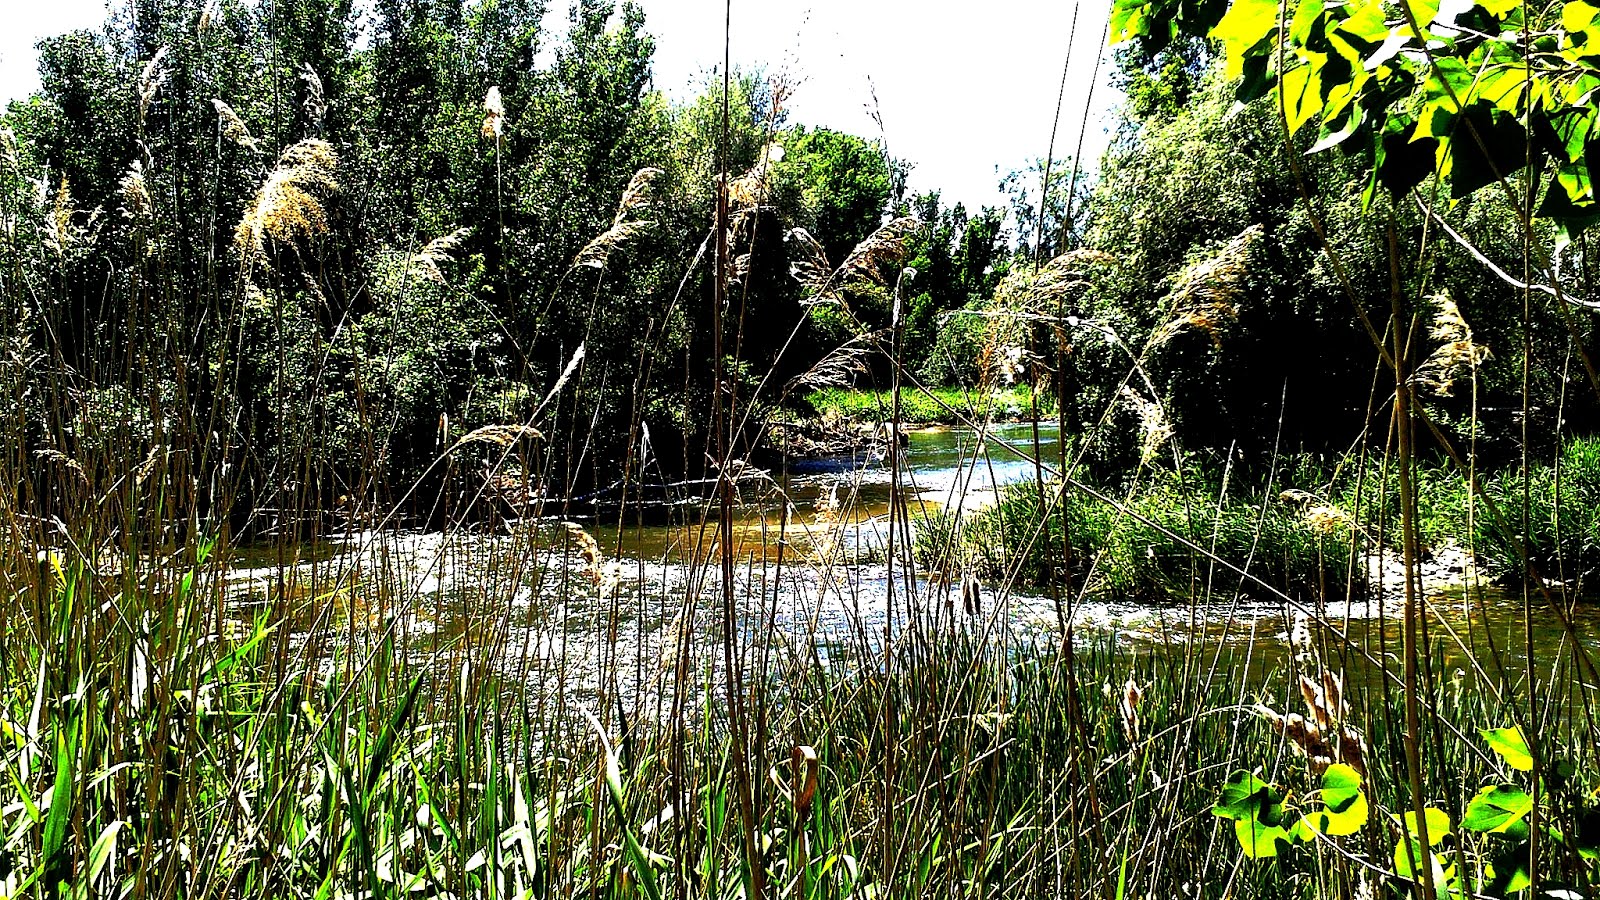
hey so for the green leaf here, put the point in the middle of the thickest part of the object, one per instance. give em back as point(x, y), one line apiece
point(1499, 8)
point(1508, 871)
point(1437, 820)
point(1496, 809)
point(104, 847)
point(1346, 801)
point(1246, 24)
point(1302, 95)
point(1259, 840)
point(1510, 744)
point(1242, 797)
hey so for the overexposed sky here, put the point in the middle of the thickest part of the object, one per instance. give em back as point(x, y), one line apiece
point(966, 93)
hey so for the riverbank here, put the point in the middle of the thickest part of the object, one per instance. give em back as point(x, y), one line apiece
point(1165, 535)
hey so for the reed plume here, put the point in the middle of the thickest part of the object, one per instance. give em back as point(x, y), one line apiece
point(289, 206)
point(1206, 293)
point(1457, 354)
point(424, 263)
point(233, 127)
point(625, 227)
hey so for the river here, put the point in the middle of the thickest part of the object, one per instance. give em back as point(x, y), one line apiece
point(573, 603)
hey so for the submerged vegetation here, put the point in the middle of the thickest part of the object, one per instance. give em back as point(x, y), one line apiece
point(421, 478)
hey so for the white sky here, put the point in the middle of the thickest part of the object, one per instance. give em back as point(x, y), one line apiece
point(965, 95)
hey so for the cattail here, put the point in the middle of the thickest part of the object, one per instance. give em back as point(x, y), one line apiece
point(289, 205)
point(804, 768)
point(494, 114)
point(971, 594)
point(315, 105)
point(1300, 634)
point(1128, 706)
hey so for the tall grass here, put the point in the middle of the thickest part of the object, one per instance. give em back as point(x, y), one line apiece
point(520, 711)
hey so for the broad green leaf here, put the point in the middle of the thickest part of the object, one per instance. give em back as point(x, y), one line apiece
point(1302, 97)
point(1345, 800)
point(1437, 820)
point(1508, 871)
point(1243, 797)
point(1128, 20)
point(1577, 16)
point(1407, 850)
point(1499, 8)
point(1246, 23)
point(1259, 840)
point(105, 846)
point(1501, 85)
point(1424, 10)
point(1496, 809)
point(1509, 743)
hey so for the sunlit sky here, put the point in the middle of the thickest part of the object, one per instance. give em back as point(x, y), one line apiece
point(965, 93)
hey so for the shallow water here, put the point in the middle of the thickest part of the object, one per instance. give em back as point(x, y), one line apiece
point(570, 608)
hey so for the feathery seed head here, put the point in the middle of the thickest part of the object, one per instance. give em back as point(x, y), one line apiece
point(1457, 353)
point(494, 114)
point(638, 197)
point(150, 81)
point(425, 262)
point(289, 205)
point(233, 127)
point(136, 204)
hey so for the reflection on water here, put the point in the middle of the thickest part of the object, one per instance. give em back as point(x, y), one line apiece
point(566, 607)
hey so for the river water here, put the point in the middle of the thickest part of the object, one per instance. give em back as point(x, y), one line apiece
point(571, 604)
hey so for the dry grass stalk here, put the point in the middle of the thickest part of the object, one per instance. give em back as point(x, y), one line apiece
point(1457, 354)
point(494, 114)
point(66, 462)
point(1206, 293)
point(588, 550)
point(233, 127)
point(424, 263)
point(289, 206)
point(638, 197)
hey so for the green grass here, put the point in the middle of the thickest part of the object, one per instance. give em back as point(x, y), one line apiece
point(934, 406)
point(1130, 554)
point(153, 761)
